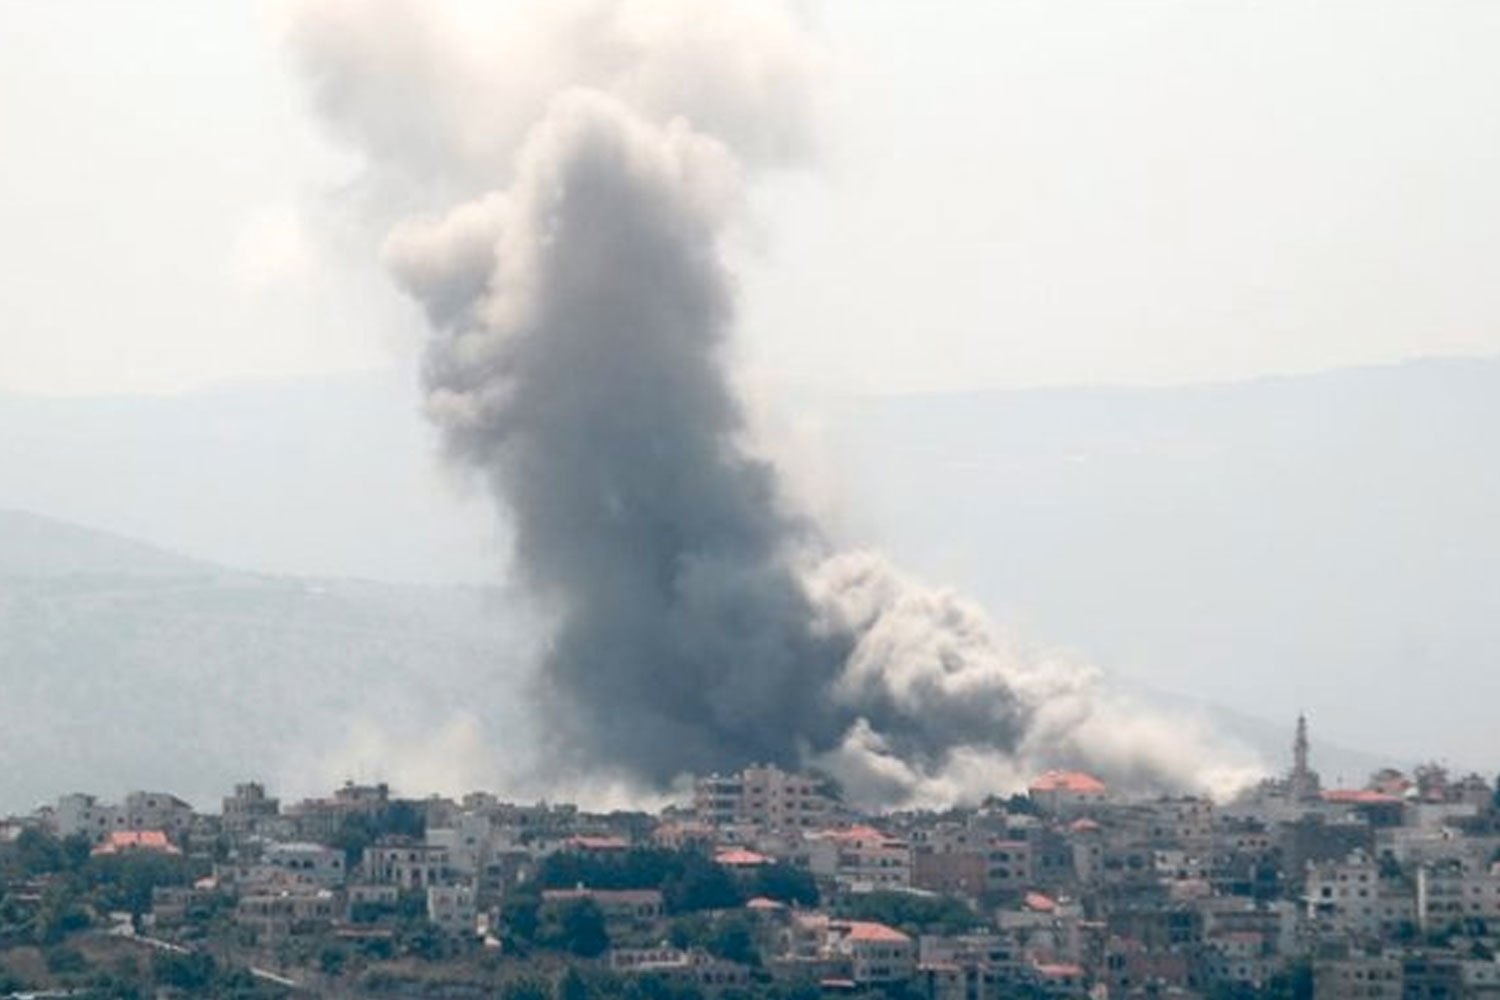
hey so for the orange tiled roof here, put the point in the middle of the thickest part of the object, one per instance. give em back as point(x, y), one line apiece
point(1040, 903)
point(869, 930)
point(860, 833)
point(1058, 971)
point(740, 857)
point(764, 903)
point(141, 840)
point(1068, 781)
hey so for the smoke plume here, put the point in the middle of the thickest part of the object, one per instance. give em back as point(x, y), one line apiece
point(563, 191)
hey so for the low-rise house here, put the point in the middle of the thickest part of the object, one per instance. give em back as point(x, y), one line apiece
point(620, 907)
point(1058, 979)
point(680, 966)
point(860, 857)
point(1067, 793)
point(289, 911)
point(877, 953)
point(406, 863)
point(452, 907)
point(310, 862)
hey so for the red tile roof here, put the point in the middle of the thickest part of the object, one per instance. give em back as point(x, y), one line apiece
point(869, 930)
point(137, 840)
point(1040, 903)
point(739, 857)
point(868, 833)
point(765, 903)
point(1358, 797)
point(1068, 781)
point(1058, 971)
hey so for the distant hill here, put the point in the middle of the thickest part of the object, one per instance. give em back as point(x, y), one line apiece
point(32, 546)
point(1325, 543)
point(331, 476)
point(123, 666)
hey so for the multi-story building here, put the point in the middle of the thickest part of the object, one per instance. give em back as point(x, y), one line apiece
point(84, 814)
point(452, 907)
point(1350, 896)
point(249, 810)
point(1450, 893)
point(968, 966)
point(286, 911)
point(1365, 977)
point(762, 796)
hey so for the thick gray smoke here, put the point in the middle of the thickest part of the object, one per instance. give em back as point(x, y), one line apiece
point(580, 305)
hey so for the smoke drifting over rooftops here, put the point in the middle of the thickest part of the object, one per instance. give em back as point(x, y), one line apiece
point(566, 184)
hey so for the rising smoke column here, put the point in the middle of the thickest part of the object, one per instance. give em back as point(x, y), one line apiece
point(580, 305)
point(585, 380)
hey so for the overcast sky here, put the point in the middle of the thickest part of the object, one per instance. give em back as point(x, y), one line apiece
point(1005, 194)
point(1008, 194)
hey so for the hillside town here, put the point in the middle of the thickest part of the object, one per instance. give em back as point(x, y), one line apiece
point(766, 884)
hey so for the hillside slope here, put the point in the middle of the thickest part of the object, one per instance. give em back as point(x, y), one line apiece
point(123, 665)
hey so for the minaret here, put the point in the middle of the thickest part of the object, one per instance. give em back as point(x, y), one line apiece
point(1302, 783)
point(1299, 750)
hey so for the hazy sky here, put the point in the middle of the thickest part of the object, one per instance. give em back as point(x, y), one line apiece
point(1007, 194)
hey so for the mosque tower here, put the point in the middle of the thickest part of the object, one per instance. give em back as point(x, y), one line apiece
point(1302, 783)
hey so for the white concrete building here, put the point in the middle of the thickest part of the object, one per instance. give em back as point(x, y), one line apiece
point(452, 907)
point(314, 863)
point(860, 857)
point(409, 865)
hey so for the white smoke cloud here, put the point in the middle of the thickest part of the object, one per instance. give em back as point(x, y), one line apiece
point(564, 190)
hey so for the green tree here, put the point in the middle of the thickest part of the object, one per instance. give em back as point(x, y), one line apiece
point(12, 983)
point(733, 941)
point(332, 960)
point(913, 914)
point(65, 961)
point(583, 931)
point(528, 988)
point(691, 930)
point(571, 986)
point(125, 881)
point(702, 885)
point(61, 913)
point(520, 917)
point(784, 884)
point(193, 973)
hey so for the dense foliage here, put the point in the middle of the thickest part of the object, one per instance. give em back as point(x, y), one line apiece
point(689, 881)
point(916, 915)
